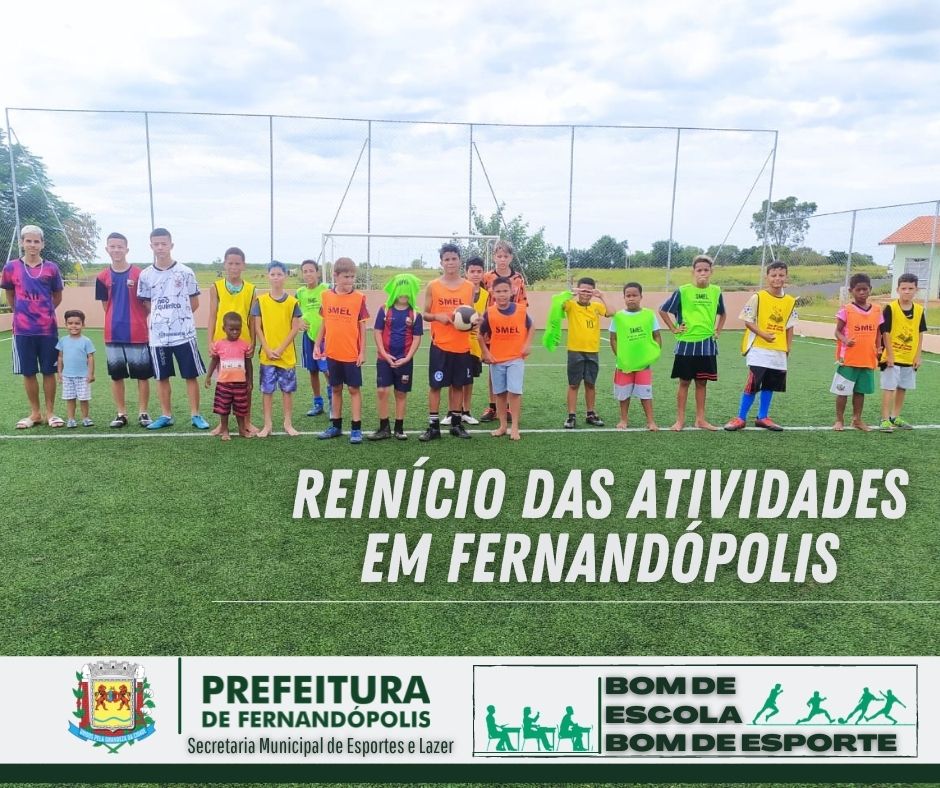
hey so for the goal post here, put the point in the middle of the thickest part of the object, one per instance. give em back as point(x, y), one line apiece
point(376, 253)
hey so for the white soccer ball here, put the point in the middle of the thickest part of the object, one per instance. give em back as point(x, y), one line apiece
point(465, 318)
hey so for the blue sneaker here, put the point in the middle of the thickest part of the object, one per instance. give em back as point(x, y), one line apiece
point(160, 422)
point(355, 436)
point(332, 432)
point(317, 407)
point(200, 423)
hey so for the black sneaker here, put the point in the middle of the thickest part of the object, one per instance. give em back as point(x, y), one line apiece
point(432, 433)
point(118, 421)
point(570, 423)
point(400, 436)
point(594, 420)
point(459, 431)
point(381, 434)
point(488, 415)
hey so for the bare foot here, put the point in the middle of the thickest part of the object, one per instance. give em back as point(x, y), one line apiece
point(289, 429)
point(677, 427)
point(224, 436)
point(246, 434)
point(651, 426)
point(860, 425)
point(514, 435)
point(838, 426)
point(499, 432)
point(621, 425)
point(704, 425)
point(217, 430)
point(263, 432)
point(253, 429)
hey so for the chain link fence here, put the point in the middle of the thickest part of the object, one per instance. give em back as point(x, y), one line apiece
point(602, 199)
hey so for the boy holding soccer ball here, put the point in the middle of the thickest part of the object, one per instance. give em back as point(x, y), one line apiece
point(506, 332)
point(450, 362)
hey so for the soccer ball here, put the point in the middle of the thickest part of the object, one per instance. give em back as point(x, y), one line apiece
point(465, 318)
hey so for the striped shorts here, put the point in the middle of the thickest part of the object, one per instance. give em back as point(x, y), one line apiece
point(231, 398)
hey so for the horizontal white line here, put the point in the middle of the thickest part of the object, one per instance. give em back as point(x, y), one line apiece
point(572, 602)
point(61, 434)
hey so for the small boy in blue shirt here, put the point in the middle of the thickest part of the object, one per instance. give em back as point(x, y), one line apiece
point(76, 367)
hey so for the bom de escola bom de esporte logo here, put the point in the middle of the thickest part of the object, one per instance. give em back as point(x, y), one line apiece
point(113, 704)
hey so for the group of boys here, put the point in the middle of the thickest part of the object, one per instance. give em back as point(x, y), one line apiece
point(150, 330)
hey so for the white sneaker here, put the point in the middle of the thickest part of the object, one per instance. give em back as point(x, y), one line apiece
point(468, 419)
point(445, 422)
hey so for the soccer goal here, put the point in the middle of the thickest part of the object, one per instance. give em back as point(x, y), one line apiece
point(379, 256)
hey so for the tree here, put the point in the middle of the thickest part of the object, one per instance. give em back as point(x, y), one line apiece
point(532, 252)
point(39, 205)
point(788, 224)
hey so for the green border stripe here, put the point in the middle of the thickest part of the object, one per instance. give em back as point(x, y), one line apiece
point(461, 773)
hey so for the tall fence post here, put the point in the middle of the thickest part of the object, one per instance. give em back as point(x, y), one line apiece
point(933, 246)
point(369, 196)
point(16, 199)
point(570, 205)
point(470, 184)
point(271, 178)
point(848, 261)
point(672, 210)
point(153, 222)
point(770, 197)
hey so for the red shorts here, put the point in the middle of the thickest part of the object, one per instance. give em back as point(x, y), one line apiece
point(643, 377)
point(231, 398)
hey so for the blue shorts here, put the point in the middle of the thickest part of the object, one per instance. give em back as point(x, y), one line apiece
point(187, 358)
point(446, 368)
point(507, 376)
point(399, 377)
point(310, 363)
point(32, 354)
point(272, 378)
point(344, 373)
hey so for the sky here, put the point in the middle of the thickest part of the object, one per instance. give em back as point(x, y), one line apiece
point(853, 88)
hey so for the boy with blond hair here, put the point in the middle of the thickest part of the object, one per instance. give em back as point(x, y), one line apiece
point(277, 322)
point(343, 337)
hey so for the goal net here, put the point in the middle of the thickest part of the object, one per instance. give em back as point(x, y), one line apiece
point(379, 256)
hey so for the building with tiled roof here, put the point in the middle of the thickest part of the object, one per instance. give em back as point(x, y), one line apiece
point(917, 251)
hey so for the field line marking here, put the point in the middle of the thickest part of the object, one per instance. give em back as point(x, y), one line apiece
point(573, 602)
point(541, 431)
point(806, 341)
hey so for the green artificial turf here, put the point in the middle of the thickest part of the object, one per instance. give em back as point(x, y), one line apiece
point(123, 545)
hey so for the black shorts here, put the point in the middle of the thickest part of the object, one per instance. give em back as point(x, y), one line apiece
point(400, 377)
point(347, 373)
point(764, 379)
point(448, 369)
point(695, 367)
point(582, 367)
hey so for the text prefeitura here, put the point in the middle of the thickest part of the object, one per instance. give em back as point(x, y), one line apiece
point(689, 494)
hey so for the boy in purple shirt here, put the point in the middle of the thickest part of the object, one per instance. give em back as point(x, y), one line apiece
point(34, 290)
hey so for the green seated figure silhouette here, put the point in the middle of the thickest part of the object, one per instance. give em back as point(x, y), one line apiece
point(499, 732)
point(569, 729)
point(532, 730)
